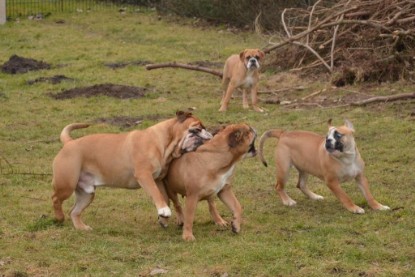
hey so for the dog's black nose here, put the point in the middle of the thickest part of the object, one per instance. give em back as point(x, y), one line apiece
point(328, 144)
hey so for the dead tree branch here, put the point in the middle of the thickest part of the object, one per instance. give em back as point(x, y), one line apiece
point(389, 98)
point(185, 66)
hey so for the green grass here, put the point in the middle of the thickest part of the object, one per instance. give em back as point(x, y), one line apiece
point(311, 239)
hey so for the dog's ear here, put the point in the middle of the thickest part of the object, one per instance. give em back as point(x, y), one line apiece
point(242, 55)
point(349, 124)
point(261, 55)
point(217, 129)
point(182, 116)
point(329, 123)
point(235, 138)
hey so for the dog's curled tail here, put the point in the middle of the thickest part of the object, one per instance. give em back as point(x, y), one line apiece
point(275, 133)
point(65, 134)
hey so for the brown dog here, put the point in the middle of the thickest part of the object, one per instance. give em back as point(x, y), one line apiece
point(334, 159)
point(207, 172)
point(242, 71)
point(131, 160)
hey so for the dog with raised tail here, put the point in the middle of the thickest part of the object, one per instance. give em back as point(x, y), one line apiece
point(137, 159)
point(334, 159)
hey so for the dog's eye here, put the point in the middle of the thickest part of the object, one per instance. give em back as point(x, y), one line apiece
point(257, 57)
point(195, 130)
point(248, 57)
point(337, 135)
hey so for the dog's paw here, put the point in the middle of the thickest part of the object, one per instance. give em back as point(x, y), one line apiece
point(258, 109)
point(317, 197)
point(289, 202)
point(163, 221)
point(222, 223)
point(188, 237)
point(164, 212)
point(236, 227)
point(383, 208)
point(222, 109)
point(357, 210)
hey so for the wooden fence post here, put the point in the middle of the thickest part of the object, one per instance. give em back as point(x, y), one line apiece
point(2, 11)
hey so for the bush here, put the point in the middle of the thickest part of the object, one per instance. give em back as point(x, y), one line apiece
point(239, 13)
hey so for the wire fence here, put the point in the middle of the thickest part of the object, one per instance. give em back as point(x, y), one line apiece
point(19, 8)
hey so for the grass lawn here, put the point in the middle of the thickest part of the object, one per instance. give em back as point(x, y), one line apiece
point(312, 239)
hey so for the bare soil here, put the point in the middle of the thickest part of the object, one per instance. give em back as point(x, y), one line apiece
point(110, 90)
point(17, 65)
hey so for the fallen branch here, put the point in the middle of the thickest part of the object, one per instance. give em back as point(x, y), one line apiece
point(389, 98)
point(185, 66)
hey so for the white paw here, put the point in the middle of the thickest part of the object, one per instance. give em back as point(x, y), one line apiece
point(383, 208)
point(317, 197)
point(289, 202)
point(358, 210)
point(164, 212)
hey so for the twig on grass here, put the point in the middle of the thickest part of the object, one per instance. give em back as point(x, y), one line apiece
point(389, 98)
point(185, 66)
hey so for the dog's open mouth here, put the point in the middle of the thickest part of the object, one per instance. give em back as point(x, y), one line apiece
point(251, 149)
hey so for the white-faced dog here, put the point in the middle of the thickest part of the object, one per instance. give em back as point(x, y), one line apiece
point(334, 159)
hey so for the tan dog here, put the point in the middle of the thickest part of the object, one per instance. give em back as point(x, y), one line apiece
point(207, 172)
point(334, 159)
point(131, 160)
point(242, 71)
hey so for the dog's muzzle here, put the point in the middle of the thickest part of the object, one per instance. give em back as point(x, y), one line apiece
point(195, 138)
point(331, 147)
point(253, 63)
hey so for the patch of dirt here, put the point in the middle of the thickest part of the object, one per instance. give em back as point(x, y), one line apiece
point(53, 80)
point(16, 65)
point(110, 90)
point(124, 64)
point(125, 122)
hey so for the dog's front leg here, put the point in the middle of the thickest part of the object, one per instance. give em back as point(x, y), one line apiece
point(227, 97)
point(146, 181)
point(214, 213)
point(229, 199)
point(245, 103)
point(189, 214)
point(364, 187)
point(254, 97)
point(164, 221)
point(334, 186)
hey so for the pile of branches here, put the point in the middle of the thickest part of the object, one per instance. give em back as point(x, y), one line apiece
point(353, 40)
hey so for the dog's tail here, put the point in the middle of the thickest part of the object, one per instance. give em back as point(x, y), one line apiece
point(276, 133)
point(65, 134)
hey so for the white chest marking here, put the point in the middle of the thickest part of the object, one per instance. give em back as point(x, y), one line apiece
point(224, 179)
point(351, 171)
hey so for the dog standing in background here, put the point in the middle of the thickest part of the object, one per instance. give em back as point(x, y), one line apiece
point(334, 159)
point(242, 71)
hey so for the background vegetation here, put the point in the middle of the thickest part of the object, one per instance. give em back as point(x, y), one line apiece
point(311, 239)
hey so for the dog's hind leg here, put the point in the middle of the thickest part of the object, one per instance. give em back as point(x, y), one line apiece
point(189, 215)
point(83, 199)
point(229, 199)
point(65, 179)
point(364, 187)
point(215, 214)
point(283, 167)
point(302, 185)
